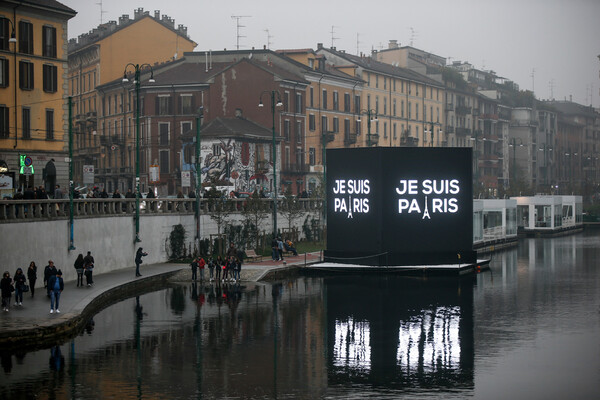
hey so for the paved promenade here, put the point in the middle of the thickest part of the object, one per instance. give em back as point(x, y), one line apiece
point(32, 324)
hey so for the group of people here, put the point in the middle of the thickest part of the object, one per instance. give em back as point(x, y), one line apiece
point(84, 266)
point(279, 246)
point(221, 269)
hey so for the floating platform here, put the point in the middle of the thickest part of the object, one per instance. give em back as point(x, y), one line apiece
point(439, 269)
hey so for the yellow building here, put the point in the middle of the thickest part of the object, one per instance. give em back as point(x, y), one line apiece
point(102, 56)
point(33, 112)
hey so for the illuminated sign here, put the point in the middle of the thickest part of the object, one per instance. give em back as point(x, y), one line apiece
point(399, 206)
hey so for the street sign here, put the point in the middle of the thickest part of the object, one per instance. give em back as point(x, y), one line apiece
point(154, 174)
point(186, 178)
point(88, 174)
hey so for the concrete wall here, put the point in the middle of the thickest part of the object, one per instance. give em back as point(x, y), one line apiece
point(110, 239)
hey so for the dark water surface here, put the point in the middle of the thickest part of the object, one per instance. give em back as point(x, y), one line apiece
point(527, 329)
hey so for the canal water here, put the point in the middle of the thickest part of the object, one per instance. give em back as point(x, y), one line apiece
point(529, 328)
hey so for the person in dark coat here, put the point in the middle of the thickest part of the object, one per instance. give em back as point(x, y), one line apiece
point(79, 267)
point(6, 288)
point(49, 271)
point(32, 276)
point(20, 282)
point(150, 194)
point(138, 260)
point(57, 285)
point(88, 266)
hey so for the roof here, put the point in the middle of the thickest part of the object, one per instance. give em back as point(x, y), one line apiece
point(234, 127)
point(570, 108)
point(369, 63)
point(50, 5)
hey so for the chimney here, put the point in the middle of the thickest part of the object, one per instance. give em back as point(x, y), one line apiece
point(123, 19)
point(319, 46)
point(393, 44)
point(139, 13)
point(157, 15)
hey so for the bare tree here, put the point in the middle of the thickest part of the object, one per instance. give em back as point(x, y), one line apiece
point(291, 209)
point(219, 212)
point(255, 210)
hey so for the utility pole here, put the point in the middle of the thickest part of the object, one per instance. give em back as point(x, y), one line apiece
point(238, 26)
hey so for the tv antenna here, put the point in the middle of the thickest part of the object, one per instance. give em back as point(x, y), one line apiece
point(102, 12)
point(269, 37)
point(238, 26)
point(533, 80)
point(413, 35)
point(357, 44)
point(551, 85)
point(332, 34)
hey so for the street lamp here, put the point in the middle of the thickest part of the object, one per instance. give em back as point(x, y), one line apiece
point(513, 144)
point(137, 71)
point(371, 117)
point(275, 102)
point(431, 131)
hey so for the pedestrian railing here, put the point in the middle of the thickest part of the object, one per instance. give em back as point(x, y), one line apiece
point(29, 210)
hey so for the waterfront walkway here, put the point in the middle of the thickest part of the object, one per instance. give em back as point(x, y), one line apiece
point(32, 324)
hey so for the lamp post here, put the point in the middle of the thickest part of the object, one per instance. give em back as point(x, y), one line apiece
point(199, 117)
point(371, 117)
point(70, 107)
point(476, 158)
point(13, 39)
point(275, 102)
point(513, 144)
point(137, 71)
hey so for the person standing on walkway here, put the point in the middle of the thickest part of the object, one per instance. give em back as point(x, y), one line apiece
point(274, 250)
point(138, 260)
point(32, 276)
point(20, 282)
point(79, 264)
point(57, 284)
point(194, 265)
point(280, 248)
point(49, 271)
point(88, 265)
point(201, 265)
point(6, 289)
point(218, 269)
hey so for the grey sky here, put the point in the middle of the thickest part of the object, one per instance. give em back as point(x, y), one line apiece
point(560, 39)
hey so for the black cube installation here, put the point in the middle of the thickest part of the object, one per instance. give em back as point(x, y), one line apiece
point(399, 206)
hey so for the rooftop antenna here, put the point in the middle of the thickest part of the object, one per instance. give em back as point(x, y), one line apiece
point(357, 44)
point(101, 11)
point(413, 36)
point(551, 85)
point(533, 80)
point(268, 39)
point(238, 26)
point(332, 34)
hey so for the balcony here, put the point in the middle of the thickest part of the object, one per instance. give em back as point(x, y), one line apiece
point(493, 117)
point(523, 123)
point(463, 131)
point(329, 137)
point(350, 139)
point(295, 169)
point(117, 139)
point(125, 170)
point(449, 107)
point(374, 139)
point(409, 141)
point(91, 116)
point(449, 129)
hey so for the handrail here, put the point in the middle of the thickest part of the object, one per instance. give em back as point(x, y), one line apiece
point(35, 210)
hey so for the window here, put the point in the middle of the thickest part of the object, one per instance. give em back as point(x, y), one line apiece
point(394, 128)
point(417, 111)
point(385, 106)
point(4, 122)
point(49, 41)
point(186, 127)
point(25, 37)
point(409, 111)
point(311, 97)
point(163, 134)
point(385, 129)
point(25, 75)
point(3, 72)
point(376, 104)
point(394, 107)
point(347, 128)
point(49, 124)
point(424, 113)
point(324, 102)
point(186, 102)
point(164, 161)
point(336, 105)
point(336, 124)
point(299, 131)
point(287, 158)
point(357, 127)
point(311, 156)
point(5, 32)
point(385, 82)
point(369, 101)
point(50, 84)
point(311, 122)
point(402, 108)
point(347, 102)
point(163, 105)
point(286, 101)
point(26, 123)
point(216, 150)
point(298, 103)
point(356, 103)
point(286, 130)
point(377, 81)
point(324, 123)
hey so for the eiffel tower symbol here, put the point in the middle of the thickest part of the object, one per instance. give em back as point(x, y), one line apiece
point(426, 212)
point(350, 207)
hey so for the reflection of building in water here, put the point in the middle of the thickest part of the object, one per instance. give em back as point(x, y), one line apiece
point(397, 332)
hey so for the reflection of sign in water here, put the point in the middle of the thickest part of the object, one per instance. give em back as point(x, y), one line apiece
point(186, 178)
point(88, 174)
point(154, 174)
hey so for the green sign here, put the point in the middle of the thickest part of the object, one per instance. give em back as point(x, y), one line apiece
point(25, 165)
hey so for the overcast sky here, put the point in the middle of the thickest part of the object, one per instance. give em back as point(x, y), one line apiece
point(550, 46)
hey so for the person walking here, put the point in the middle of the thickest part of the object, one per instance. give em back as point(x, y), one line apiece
point(32, 276)
point(280, 247)
point(79, 266)
point(88, 266)
point(6, 289)
point(201, 265)
point(20, 282)
point(218, 263)
point(138, 260)
point(194, 265)
point(57, 285)
point(49, 271)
